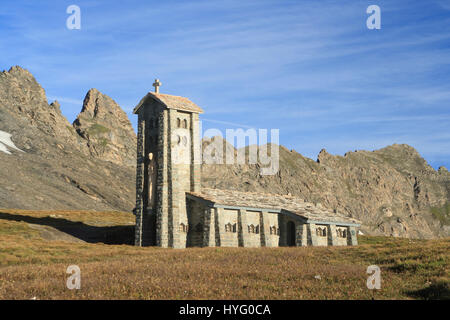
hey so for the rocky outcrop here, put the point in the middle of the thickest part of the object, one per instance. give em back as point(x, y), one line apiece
point(106, 129)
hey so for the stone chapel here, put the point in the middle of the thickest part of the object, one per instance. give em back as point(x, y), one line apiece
point(173, 210)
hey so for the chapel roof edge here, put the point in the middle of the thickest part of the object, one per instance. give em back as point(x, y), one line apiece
point(170, 102)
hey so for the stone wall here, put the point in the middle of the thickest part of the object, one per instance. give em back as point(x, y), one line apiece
point(342, 235)
point(196, 169)
point(223, 227)
point(253, 228)
point(322, 234)
point(163, 178)
point(139, 180)
point(227, 227)
point(352, 237)
point(311, 235)
point(209, 231)
point(302, 235)
point(270, 230)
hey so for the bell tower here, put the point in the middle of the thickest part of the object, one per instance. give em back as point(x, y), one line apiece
point(168, 166)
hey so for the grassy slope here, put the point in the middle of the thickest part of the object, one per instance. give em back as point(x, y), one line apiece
point(33, 266)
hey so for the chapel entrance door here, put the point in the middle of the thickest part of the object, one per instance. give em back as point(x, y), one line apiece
point(290, 234)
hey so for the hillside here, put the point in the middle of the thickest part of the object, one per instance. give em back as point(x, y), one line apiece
point(36, 247)
point(49, 163)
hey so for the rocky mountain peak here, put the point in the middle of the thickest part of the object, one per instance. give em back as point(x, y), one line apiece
point(443, 170)
point(106, 128)
point(400, 150)
point(18, 71)
point(322, 156)
point(56, 105)
point(97, 105)
point(20, 83)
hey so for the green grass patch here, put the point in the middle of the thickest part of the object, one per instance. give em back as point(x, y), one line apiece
point(103, 142)
point(97, 129)
point(442, 213)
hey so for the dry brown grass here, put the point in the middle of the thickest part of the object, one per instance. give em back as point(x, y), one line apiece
point(31, 266)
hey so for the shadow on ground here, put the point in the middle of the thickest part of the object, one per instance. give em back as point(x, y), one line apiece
point(91, 234)
point(436, 291)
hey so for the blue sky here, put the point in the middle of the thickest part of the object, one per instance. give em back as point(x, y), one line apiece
point(310, 68)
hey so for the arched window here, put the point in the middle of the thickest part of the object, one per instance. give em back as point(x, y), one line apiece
point(251, 228)
point(344, 233)
point(185, 123)
point(257, 229)
point(273, 230)
point(183, 227)
point(319, 231)
point(228, 227)
point(178, 122)
point(234, 227)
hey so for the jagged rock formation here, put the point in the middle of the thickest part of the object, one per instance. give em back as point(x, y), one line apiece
point(106, 129)
point(56, 169)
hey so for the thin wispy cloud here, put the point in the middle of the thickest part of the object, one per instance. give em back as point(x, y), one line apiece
point(71, 101)
point(227, 123)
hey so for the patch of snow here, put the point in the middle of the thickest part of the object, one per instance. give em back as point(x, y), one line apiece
point(6, 142)
point(4, 149)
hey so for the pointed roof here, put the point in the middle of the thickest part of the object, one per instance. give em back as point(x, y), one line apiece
point(171, 102)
